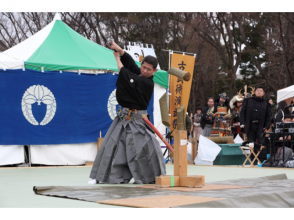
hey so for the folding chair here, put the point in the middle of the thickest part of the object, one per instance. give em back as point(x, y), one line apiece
point(243, 148)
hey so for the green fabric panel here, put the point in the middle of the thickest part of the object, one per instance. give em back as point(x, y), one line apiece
point(65, 49)
point(161, 78)
point(172, 181)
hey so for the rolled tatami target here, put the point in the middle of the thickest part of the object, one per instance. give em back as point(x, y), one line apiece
point(179, 73)
point(164, 110)
point(221, 140)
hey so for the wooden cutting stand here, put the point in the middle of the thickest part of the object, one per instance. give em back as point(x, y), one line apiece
point(180, 177)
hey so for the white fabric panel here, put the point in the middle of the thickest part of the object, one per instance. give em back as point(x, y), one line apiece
point(197, 161)
point(26, 48)
point(151, 52)
point(63, 154)
point(133, 51)
point(285, 93)
point(158, 92)
point(207, 150)
point(141, 51)
point(238, 140)
point(11, 154)
point(7, 62)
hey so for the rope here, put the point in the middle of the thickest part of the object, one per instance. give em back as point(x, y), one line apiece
point(63, 70)
point(128, 117)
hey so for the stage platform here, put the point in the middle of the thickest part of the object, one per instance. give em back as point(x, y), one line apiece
point(16, 184)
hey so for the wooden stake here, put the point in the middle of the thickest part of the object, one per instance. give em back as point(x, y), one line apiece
point(180, 153)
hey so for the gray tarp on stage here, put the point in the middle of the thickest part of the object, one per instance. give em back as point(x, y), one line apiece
point(267, 192)
point(270, 191)
point(99, 193)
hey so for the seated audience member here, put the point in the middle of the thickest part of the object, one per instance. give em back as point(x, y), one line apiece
point(282, 106)
point(291, 109)
point(287, 138)
point(283, 150)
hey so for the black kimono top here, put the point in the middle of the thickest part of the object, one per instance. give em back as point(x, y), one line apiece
point(133, 91)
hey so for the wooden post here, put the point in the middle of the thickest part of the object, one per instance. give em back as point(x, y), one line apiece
point(180, 153)
point(180, 177)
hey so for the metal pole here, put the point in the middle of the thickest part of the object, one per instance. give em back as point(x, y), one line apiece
point(29, 150)
point(168, 79)
point(179, 52)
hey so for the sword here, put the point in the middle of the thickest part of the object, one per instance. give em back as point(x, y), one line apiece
point(144, 117)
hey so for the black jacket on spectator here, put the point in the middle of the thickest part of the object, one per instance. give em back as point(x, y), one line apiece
point(264, 116)
point(204, 117)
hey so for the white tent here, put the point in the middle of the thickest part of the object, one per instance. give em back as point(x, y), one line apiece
point(7, 62)
point(78, 153)
point(286, 93)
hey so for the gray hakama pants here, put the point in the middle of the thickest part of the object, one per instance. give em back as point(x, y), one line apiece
point(128, 150)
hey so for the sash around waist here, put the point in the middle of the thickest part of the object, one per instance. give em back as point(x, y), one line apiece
point(140, 112)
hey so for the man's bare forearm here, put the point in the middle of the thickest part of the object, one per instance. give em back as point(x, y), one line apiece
point(121, 51)
point(119, 64)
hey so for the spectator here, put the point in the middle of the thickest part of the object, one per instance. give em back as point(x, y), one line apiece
point(207, 117)
point(196, 127)
point(188, 125)
point(236, 106)
point(255, 116)
point(282, 106)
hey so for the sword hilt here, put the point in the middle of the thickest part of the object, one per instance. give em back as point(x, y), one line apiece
point(109, 43)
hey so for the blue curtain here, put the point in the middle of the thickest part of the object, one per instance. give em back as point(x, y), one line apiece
point(55, 108)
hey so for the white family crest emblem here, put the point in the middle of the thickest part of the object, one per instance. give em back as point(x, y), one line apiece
point(111, 105)
point(37, 93)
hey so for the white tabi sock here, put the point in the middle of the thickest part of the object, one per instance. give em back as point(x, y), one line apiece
point(92, 181)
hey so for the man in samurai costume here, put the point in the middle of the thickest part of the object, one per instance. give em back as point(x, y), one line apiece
point(130, 149)
point(236, 105)
point(223, 114)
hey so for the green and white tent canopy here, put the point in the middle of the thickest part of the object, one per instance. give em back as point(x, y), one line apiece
point(57, 47)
